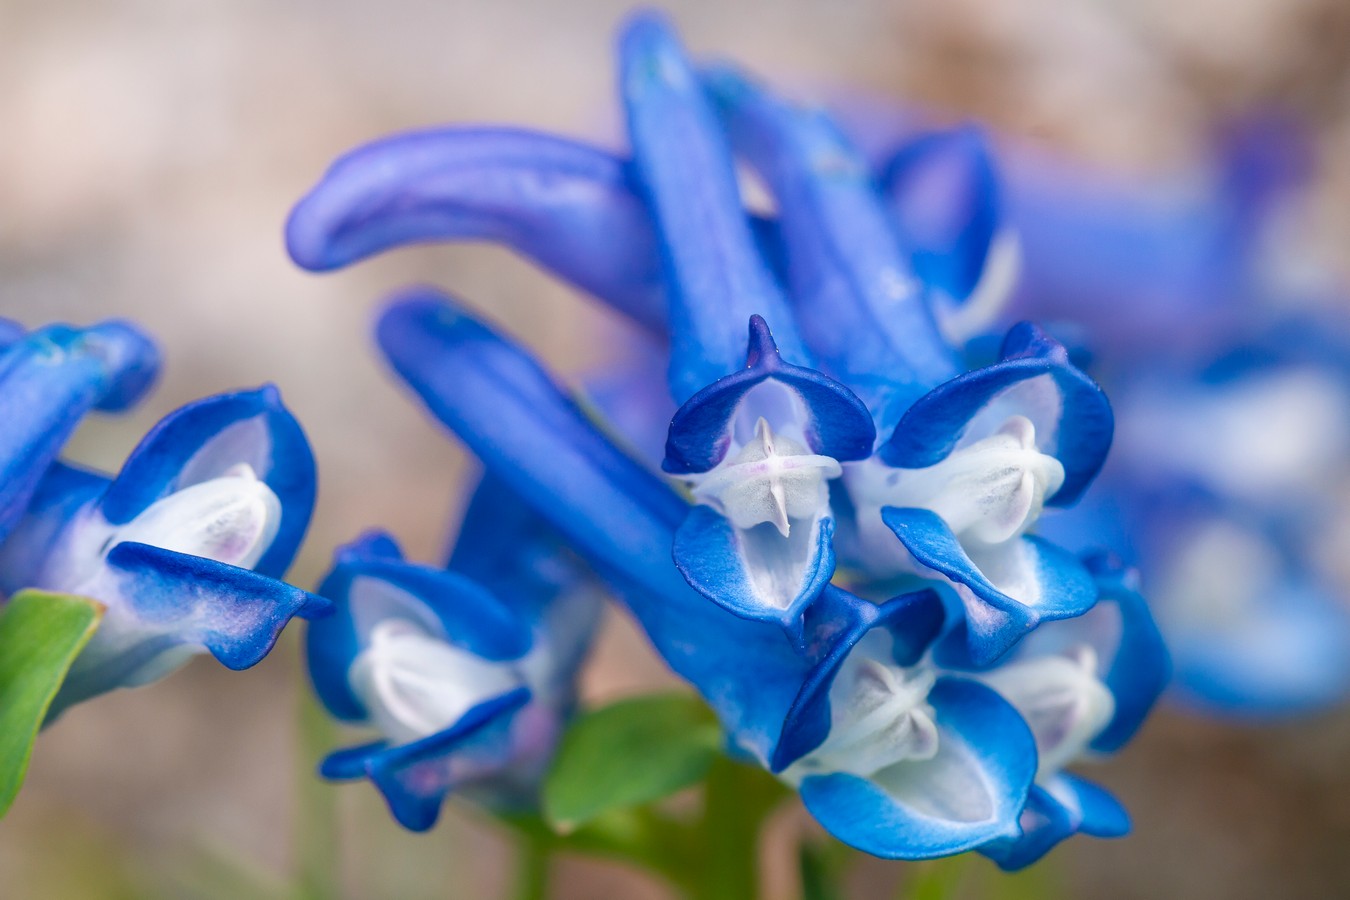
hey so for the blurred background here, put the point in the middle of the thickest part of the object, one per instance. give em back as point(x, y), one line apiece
point(149, 153)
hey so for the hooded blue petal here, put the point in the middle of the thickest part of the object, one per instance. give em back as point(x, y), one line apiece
point(370, 582)
point(569, 207)
point(1066, 806)
point(1033, 378)
point(837, 423)
point(860, 307)
point(971, 793)
point(202, 441)
point(715, 275)
point(49, 379)
point(994, 620)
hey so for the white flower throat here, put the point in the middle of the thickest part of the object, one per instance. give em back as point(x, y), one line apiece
point(415, 683)
point(988, 492)
point(232, 519)
point(880, 716)
point(772, 478)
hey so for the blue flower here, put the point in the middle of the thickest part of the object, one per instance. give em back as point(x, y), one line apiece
point(470, 688)
point(1230, 517)
point(49, 379)
point(183, 547)
point(1084, 686)
point(821, 416)
point(1231, 406)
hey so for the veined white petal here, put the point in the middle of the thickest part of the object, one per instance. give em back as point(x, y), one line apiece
point(772, 478)
point(1063, 701)
point(989, 493)
point(416, 684)
point(880, 716)
point(231, 519)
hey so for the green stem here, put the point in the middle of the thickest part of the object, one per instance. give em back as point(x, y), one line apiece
point(317, 836)
point(737, 800)
point(532, 867)
point(936, 879)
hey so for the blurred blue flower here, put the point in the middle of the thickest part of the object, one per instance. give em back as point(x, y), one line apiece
point(184, 547)
point(1229, 368)
point(470, 687)
point(828, 422)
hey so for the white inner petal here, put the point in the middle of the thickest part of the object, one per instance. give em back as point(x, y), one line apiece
point(416, 684)
point(989, 492)
point(880, 716)
point(772, 479)
point(1063, 701)
point(231, 519)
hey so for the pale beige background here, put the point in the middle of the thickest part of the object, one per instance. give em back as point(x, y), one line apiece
point(148, 155)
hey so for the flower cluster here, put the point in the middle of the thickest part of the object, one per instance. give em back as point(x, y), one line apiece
point(855, 589)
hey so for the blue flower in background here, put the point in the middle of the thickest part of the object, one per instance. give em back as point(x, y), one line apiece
point(184, 547)
point(1234, 517)
point(469, 688)
point(1229, 380)
point(822, 425)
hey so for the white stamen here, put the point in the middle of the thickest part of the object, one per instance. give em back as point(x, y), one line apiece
point(771, 479)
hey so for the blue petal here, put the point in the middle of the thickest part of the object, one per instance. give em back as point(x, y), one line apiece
point(1140, 667)
point(1098, 813)
point(944, 198)
point(838, 424)
point(1065, 806)
point(619, 516)
point(235, 613)
point(202, 440)
point(569, 207)
point(49, 379)
point(913, 622)
point(986, 756)
point(1071, 414)
point(632, 401)
point(860, 308)
point(716, 278)
point(721, 563)
point(369, 582)
point(10, 333)
point(994, 620)
point(414, 777)
point(1044, 822)
point(170, 603)
point(513, 551)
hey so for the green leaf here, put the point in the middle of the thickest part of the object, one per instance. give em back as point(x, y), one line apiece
point(40, 636)
point(627, 754)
